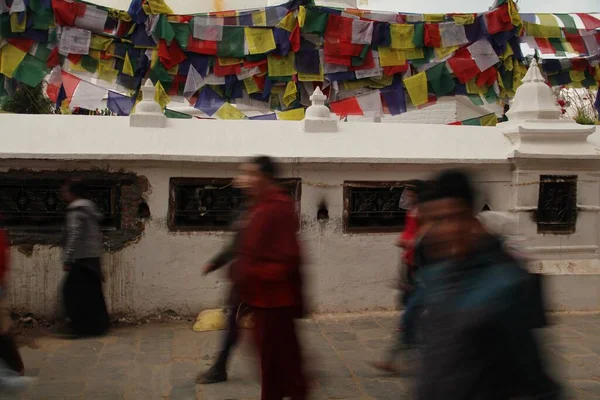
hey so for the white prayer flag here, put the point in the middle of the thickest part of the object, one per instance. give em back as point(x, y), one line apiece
point(193, 82)
point(382, 17)
point(370, 104)
point(3, 7)
point(212, 79)
point(247, 73)
point(452, 34)
point(592, 44)
point(88, 96)
point(17, 6)
point(483, 53)
point(94, 19)
point(208, 28)
point(74, 41)
point(368, 73)
point(362, 32)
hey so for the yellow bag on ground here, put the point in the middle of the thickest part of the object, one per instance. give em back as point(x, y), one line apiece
point(216, 320)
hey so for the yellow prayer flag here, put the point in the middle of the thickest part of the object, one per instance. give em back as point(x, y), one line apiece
point(161, 96)
point(464, 19)
point(158, 7)
point(291, 92)
point(288, 22)
point(515, 17)
point(301, 16)
point(281, 66)
point(380, 83)
point(472, 88)
point(354, 85)
point(10, 58)
point(64, 107)
point(416, 86)
point(441, 52)
point(227, 111)
point(577, 76)
point(296, 114)
point(15, 25)
point(227, 61)
point(489, 120)
point(95, 54)
point(106, 72)
point(100, 42)
point(389, 57)
point(507, 53)
point(414, 54)
point(251, 86)
point(503, 93)
point(259, 40)
point(77, 67)
point(597, 72)
point(311, 77)
point(542, 31)
point(402, 36)
point(259, 18)
point(173, 70)
point(434, 17)
point(567, 46)
point(575, 85)
point(127, 67)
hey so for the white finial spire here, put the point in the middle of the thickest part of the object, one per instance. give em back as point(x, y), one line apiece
point(533, 99)
point(318, 117)
point(148, 112)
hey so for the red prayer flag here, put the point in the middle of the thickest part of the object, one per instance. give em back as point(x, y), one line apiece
point(74, 58)
point(22, 43)
point(463, 66)
point(202, 46)
point(368, 63)
point(499, 20)
point(338, 29)
point(65, 12)
point(455, 123)
point(224, 70)
point(349, 106)
point(178, 82)
point(70, 83)
point(487, 77)
point(170, 55)
point(53, 59)
point(545, 46)
point(123, 28)
point(590, 22)
point(432, 36)
point(579, 64)
point(251, 64)
point(260, 81)
point(396, 69)
point(52, 92)
point(576, 42)
point(295, 39)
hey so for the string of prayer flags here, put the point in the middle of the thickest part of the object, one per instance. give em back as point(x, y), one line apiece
point(485, 120)
point(416, 86)
point(296, 114)
point(368, 104)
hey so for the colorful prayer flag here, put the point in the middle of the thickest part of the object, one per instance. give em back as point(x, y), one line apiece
point(260, 40)
point(291, 115)
point(416, 86)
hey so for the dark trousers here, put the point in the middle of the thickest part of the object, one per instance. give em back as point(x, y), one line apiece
point(9, 353)
point(83, 298)
point(229, 339)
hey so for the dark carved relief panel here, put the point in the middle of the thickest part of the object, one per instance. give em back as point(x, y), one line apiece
point(373, 207)
point(557, 204)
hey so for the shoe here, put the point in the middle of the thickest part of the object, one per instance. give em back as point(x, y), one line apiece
point(213, 375)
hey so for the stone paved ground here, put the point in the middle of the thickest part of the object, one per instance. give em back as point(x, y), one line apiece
point(161, 361)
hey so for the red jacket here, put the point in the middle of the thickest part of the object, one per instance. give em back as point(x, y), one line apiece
point(269, 260)
point(411, 228)
point(4, 256)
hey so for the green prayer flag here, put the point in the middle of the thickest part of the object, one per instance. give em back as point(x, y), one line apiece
point(176, 114)
point(419, 35)
point(475, 99)
point(5, 29)
point(360, 60)
point(472, 122)
point(440, 80)
point(255, 57)
point(163, 29)
point(568, 22)
point(182, 34)
point(507, 80)
point(31, 71)
point(42, 52)
point(427, 57)
point(160, 74)
point(589, 81)
point(90, 64)
point(491, 96)
point(316, 21)
point(232, 44)
point(42, 15)
point(558, 44)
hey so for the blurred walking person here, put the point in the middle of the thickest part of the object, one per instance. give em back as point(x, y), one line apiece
point(82, 289)
point(270, 281)
point(218, 371)
point(478, 338)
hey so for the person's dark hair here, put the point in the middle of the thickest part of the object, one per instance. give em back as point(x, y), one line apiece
point(455, 184)
point(266, 165)
point(76, 188)
point(426, 193)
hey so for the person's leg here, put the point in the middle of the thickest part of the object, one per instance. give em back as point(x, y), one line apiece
point(270, 348)
point(297, 385)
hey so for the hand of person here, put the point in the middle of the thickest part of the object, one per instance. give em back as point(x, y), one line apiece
point(206, 269)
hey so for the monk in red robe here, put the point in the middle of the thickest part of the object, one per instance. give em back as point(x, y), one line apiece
point(270, 281)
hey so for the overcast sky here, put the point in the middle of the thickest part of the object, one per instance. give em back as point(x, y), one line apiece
point(526, 6)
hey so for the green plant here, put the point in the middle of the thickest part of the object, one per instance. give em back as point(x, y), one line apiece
point(28, 100)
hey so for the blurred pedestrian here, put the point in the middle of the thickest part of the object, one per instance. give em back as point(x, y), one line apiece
point(270, 280)
point(9, 352)
point(478, 338)
point(218, 371)
point(82, 289)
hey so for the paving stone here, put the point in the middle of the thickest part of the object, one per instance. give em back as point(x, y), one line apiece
point(340, 388)
point(383, 390)
point(587, 386)
point(342, 336)
point(364, 323)
point(44, 390)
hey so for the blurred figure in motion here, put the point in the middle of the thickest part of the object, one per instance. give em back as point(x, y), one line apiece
point(269, 277)
point(82, 289)
point(478, 338)
point(218, 371)
point(9, 352)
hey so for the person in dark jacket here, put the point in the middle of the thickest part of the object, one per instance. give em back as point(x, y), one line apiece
point(82, 289)
point(269, 274)
point(218, 371)
point(478, 334)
